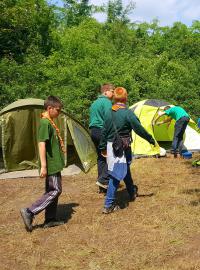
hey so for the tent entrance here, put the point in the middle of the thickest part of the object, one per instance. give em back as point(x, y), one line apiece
point(72, 155)
point(164, 134)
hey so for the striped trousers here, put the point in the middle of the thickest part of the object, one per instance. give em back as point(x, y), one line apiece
point(49, 199)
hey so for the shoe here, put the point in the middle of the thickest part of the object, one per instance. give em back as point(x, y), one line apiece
point(112, 208)
point(27, 218)
point(52, 223)
point(102, 183)
point(175, 155)
point(102, 190)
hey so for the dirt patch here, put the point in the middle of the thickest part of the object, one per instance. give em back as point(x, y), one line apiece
point(159, 231)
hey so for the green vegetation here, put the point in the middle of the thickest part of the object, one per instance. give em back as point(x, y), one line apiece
point(46, 49)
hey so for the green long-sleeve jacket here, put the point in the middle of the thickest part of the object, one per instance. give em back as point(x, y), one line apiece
point(125, 121)
point(98, 110)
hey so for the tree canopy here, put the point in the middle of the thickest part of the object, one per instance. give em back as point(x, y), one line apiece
point(64, 51)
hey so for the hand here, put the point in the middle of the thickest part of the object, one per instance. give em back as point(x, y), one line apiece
point(104, 153)
point(43, 172)
point(168, 124)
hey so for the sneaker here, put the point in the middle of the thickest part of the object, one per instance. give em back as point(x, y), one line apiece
point(27, 218)
point(52, 223)
point(112, 208)
point(102, 190)
point(174, 153)
point(102, 183)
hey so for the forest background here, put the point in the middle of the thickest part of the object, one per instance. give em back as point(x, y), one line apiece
point(50, 50)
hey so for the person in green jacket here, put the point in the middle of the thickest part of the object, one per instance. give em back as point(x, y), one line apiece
point(182, 119)
point(51, 161)
point(120, 121)
point(98, 110)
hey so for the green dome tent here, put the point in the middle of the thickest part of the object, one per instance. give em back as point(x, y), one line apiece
point(147, 112)
point(19, 123)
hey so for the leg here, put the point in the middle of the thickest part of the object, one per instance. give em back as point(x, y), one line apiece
point(131, 188)
point(51, 209)
point(180, 127)
point(175, 139)
point(54, 189)
point(102, 166)
point(182, 131)
point(111, 192)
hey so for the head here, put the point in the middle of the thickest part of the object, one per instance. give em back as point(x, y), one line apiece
point(120, 95)
point(107, 89)
point(166, 107)
point(53, 106)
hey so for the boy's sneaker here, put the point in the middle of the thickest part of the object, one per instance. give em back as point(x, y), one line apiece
point(174, 153)
point(102, 190)
point(52, 223)
point(112, 208)
point(102, 183)
point(27, 218)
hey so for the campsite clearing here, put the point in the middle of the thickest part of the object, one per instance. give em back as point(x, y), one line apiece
point(159, 231)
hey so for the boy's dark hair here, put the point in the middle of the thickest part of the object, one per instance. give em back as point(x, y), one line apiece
point(167, 107)
point(53, 102)
point(106, 87)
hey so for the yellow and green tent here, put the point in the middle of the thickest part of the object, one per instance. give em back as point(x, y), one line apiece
point(147, 112)
point(19, 123)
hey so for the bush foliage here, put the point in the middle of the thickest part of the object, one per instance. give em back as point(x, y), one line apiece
point(64, 51)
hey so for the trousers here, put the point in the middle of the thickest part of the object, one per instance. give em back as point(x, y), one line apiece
point(49, 200)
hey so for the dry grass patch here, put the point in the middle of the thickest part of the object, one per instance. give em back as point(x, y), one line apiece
point(159, 231)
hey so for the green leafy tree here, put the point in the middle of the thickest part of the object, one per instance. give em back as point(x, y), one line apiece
point(116, 11)
point(75, 11)
point(24, 24)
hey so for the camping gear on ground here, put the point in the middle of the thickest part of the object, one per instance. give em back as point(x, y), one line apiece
point(147, 112)
point(186, 154)
point(196, 163)
point(19, 124)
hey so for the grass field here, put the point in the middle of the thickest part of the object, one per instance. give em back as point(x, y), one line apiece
point(159, 231)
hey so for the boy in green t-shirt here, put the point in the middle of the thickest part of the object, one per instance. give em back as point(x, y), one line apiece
point(182, 119)
point(51, 149)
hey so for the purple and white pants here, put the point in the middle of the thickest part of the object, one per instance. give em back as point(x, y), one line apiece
point(49, 199)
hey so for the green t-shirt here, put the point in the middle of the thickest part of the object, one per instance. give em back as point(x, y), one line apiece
point(54, 154)
point(176, 113)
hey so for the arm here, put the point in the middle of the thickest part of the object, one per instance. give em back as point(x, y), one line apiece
point(159, 115)
point(139, 129)
point(104, 133)
point(168, 119)
point(42, 153)
point(43, 137)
